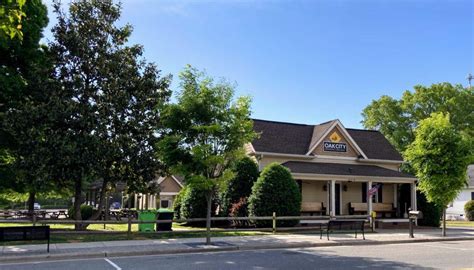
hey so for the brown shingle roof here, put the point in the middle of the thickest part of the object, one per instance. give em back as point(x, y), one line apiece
point(279, 137)
point(290, 138)
point(342, 169)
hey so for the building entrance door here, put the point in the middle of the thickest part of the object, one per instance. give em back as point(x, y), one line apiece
point(338, 199)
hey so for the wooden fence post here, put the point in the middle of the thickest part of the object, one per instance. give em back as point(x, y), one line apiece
point(129, 225)
point(274, 223)
point(34, 218)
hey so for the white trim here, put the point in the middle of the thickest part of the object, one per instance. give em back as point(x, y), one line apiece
point(283, 155)
point(311, 149)
point(381, 161)
point(335, 157)
point(162, 178)
point(168, 193)
point(353, 178)
point(345, 133)
point(175, 179)
point(252, 148)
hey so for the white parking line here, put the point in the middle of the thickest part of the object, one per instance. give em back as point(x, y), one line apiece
point(446, 247)
point(113, 264)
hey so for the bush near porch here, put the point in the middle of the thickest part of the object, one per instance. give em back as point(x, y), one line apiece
point(275, 191)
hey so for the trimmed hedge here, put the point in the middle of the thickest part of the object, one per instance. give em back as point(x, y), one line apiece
point(86, 212)
point(177, 203)
point(240, 186)
point(469, 210)
point(194, 204)
point(275, 191)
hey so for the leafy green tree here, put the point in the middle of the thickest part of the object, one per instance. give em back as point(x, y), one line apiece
point(438, 156)
point(275, 191)
point(398, 119)
point(11, 14)
point(205, 133)
point(240, 186)
point(107, 101)
point(24, 74)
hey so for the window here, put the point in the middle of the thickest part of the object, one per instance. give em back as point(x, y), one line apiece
point(164, 203)
point(472, 195)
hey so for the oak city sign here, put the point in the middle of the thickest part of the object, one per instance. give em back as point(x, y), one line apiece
point(334, 145)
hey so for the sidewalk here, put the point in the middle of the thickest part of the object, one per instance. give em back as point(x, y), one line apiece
point(11, 253)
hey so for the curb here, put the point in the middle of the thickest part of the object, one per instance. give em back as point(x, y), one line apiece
point(69, 256)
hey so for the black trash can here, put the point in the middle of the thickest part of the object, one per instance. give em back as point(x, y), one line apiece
point(164, 214)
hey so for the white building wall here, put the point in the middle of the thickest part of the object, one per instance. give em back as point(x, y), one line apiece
point(456, 209)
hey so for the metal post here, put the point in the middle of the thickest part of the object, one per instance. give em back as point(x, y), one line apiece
point(411, 227)
point(274, 223)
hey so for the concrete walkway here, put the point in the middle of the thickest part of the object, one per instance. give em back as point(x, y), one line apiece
point(11, 253)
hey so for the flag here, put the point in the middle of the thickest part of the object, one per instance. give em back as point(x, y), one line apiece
point(372, 191)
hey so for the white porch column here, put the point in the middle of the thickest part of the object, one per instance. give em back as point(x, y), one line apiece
point(333, 197)
point(328, 198)
point(369, 198)
point(413, 197)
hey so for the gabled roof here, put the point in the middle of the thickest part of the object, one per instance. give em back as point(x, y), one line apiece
point(343, 169)
point(279, 137)
point(297, 139)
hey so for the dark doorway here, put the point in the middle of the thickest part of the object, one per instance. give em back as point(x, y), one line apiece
point(338, 199)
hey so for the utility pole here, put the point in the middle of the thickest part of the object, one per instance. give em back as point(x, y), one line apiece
point(469, 78)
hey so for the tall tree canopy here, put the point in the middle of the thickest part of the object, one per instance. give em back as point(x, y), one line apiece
point(438, 156)
point(398, 119)
point(24, 68)
point(107, 100)
point(206, 131)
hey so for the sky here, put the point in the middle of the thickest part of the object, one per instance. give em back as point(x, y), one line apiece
point(308, 61)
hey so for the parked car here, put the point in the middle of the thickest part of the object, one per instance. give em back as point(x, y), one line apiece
point(36, 206)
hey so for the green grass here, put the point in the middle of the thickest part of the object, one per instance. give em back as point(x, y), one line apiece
point(97, 227)
point(459, 223)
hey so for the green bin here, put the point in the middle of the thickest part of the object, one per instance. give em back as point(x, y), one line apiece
point(146, 215)
point(164, 214)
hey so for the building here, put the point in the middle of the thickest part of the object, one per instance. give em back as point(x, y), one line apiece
point(336, 167)
point(456, 210)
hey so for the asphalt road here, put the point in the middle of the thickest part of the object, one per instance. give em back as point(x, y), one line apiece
point(433, 255)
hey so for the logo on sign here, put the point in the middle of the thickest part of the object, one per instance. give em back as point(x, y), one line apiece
point(334, 145)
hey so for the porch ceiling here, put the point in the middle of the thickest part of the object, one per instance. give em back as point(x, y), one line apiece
point(343, 169)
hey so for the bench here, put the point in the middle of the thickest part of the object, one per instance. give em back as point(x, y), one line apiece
point(344, 225)
point(25, 233)
point(313, 207)
point(361, 208)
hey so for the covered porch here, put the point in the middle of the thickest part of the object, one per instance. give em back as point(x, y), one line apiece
point(334, 189)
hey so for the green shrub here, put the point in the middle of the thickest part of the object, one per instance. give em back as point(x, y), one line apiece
point(240, 186)
point(275, 191)
point(431, 212)
point(469, 210)
point(194, 204)
point(177, 203)
point(86, 211)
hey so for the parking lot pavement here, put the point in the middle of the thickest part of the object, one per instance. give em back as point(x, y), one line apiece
point(433, 255)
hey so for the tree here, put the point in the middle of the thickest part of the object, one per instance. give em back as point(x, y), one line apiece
point(438, 156)
point(240, 186)
point(397, 119)
point(107, 102)
point(275, 191)
point(205, 133)
point(24, 79)
point(11, 14)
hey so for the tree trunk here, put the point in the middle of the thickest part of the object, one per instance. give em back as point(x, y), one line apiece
point(444, 222)
point(208, 218)
point(31, 202)
point(77, 203)
point(102, 195)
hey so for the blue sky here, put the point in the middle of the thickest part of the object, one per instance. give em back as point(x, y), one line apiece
point(309, 61)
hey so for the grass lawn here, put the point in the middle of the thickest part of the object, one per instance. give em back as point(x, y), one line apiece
point(459, 223)
point(99, 227)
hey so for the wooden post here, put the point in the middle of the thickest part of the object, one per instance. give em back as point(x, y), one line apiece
point(34, 218)
point(129, 225)
point(274, 225)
